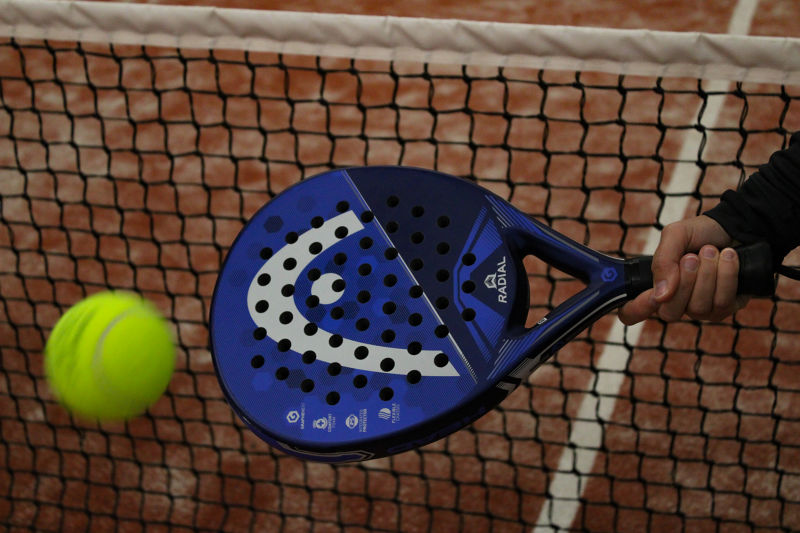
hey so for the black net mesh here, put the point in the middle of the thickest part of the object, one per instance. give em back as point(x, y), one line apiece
point(134, 168)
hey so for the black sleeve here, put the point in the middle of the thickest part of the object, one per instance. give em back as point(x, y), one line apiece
point(767, 205)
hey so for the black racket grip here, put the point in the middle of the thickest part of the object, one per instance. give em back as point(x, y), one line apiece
point(756, 275)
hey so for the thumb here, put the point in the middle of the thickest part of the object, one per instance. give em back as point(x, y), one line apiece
point(638, 309)
point(666, 260)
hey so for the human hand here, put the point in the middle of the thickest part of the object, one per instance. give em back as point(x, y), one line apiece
point(702, 285)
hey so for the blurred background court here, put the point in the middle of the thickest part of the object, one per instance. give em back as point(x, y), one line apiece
point(134, 167)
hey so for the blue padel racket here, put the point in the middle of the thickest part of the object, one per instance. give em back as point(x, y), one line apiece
point(367, 311)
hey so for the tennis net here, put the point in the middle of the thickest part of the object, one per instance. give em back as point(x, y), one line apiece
point(135, 141)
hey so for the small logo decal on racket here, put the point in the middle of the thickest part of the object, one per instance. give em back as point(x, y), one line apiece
point(497, 281)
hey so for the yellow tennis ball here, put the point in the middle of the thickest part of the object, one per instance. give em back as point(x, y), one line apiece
point(110, 356)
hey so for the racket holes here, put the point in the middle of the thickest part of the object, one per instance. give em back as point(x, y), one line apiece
point(291, 237)
point(360, 381)
point(317, 222)
point(338, 285)
point(390, 253)
point(309, 357)
point(314, 274)
point(287, 290)
point(415, 291)
point(363, 297)
point(392, 227)
point(417, 237)
point(389, 308)
point(257, 361)
point(306, 385)
point(310, 329)
point(443, 275)
point(265, 253)
point(392, 201)
point(264, 279)
point(441, 360)
point(337, 313)
point(315, 248)
point(387, 335)
point(468, 314)
point(442, 248)
point(261, 306)
point(386, 394)
point(312, 301)
point(342, 206)
point(413, 377)
point(286, 317)
point(334, 369)
point(362, 324)
point(339, 259)
point(364, 269)
point(416, 264)
point(415, 319)
point(417, 211)
point(441, 331)
point(259, 334)
point(282, 373)
point(367, 216)
point(361, 353)
point(290, 263)
point(442, 303)
point(414, 348)
point(390, 280)
point(443, 221)
point(284, 345)
point(468, 259)
point(341, 232)
point(387, 364)
point(468, 286)
point(332, 398)
point(365, 243)
point(335, 341)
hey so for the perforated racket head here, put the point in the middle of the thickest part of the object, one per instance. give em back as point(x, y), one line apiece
point(367, 311)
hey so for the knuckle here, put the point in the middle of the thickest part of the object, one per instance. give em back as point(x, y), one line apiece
point(670, 315)
point(721, 313)
point(724, 301)
point(699, 310)
point(671, 229)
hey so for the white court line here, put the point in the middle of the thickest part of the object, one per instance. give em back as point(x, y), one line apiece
point(597, 406)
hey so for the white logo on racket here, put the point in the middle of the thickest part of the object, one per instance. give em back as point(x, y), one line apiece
point(343, 354)
point(498, 281)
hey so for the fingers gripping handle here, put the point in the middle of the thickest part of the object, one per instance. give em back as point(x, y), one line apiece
point(756, 274)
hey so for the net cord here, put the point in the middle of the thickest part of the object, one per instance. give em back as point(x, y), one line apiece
point(619, 51)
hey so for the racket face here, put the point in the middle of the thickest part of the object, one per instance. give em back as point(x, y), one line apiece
point(367, 311)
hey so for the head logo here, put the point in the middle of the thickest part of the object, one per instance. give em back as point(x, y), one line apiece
point(491, 281)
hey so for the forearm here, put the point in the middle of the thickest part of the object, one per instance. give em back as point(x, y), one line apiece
point(767, 206)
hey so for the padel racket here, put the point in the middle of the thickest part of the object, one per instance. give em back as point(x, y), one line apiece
point(367, 311)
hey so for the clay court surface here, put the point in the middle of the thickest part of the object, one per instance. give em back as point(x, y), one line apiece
point(134, 168)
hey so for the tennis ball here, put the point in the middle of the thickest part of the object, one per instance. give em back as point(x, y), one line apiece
point(110, 356)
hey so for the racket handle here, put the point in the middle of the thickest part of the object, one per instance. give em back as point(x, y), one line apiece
point(756, 275)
